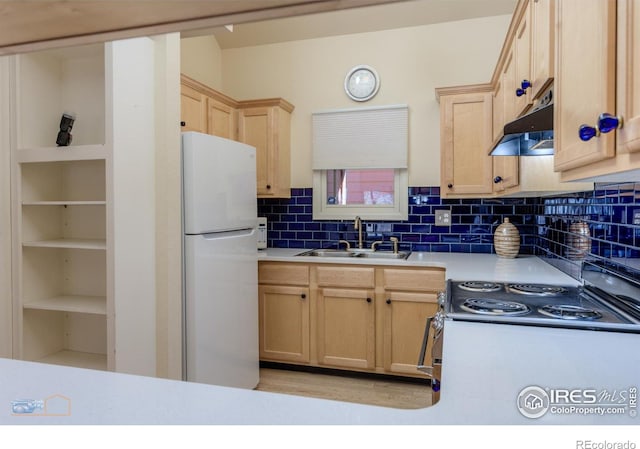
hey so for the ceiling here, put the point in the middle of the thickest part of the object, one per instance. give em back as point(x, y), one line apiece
point(358, 20)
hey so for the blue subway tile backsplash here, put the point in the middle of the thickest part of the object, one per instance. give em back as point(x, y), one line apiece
point(611, 212)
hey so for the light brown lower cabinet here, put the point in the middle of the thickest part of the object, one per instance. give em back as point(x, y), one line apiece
point(368, 318)
point(346, 328)
point(405, 316)
point(284, 323)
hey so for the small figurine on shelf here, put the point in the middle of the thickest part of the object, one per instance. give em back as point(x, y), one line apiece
point(64, 136)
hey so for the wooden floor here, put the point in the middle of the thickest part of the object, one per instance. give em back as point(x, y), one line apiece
point(387, 393)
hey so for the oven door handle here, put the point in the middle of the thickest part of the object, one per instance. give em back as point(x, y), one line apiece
point(428, 370)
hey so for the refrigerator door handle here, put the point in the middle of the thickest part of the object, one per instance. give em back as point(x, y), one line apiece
point(228, 234)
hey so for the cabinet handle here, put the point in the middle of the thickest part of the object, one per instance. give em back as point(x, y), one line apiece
point(586, 132)
point(524, 85)
point(183, 123)
point(303, 296)
point(368, 299)
point(450, 186)
point(388, 301)
point(608, 122)
point(497, 179)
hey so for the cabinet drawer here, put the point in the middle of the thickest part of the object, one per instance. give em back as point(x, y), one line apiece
point(431, 279)
point(283, 273)
point(346, 276)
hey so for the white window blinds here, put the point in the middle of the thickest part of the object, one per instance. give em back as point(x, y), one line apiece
point(362, 138)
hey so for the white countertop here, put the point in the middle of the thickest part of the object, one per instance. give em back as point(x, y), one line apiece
point(459, 266)
point(479, 387)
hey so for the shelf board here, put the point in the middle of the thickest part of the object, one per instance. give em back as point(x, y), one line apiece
point(56, 154)
point(77, 359)
point(80, 304)
point(69, 243)
point(64, 203)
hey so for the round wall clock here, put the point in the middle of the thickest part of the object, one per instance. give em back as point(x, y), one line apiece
point(361, 83)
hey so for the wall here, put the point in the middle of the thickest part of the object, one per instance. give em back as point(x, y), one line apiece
point(544, 225)
point(610, 213)
point(411, 63)
point(201, 59)
point(290, 223)
point(168, 201)
point(5, 213)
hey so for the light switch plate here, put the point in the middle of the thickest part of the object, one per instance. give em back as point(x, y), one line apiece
point(636, 216)
point(443, 217)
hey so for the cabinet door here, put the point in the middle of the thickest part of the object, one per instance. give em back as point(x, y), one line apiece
point(522, 47)
point(585, 80)
point(284, 323)
point(498, 111)
point(255, 128)
point(505, 172)
point(193, 110)
point(542, 45)
point(509, 86)
point(405, 316)
point(221, 119)
point(628, 84)
point(346, 328)
point(466, 137)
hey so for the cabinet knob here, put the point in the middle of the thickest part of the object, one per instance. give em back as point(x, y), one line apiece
point(268, 186)
point(303, 296)
point(388, 301)
point(608, 122)
point(524, 85)
point(450, 185)
point(586, 132)
point(183, 123)
point(497, 179)
point(368, 299)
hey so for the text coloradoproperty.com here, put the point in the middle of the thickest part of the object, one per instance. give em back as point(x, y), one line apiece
point(571, 409)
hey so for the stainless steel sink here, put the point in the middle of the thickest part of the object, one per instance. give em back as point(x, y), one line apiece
point(384, 255)
point(360, 253)
point(328, 253)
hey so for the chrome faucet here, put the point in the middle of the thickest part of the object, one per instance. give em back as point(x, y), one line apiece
point(348, 245)
point(357, 224)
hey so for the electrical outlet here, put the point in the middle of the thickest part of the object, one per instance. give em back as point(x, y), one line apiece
point(443, 217)
point(636, 217)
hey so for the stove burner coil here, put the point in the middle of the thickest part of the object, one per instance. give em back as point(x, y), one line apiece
point(536, 289)
point(494, 307)
point(568, 312)
point(479, 286)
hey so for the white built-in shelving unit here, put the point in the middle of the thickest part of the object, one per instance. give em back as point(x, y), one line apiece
point(60, 213)
point(71, 206)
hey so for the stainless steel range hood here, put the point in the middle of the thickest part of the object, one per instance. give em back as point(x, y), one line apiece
point(531, 134)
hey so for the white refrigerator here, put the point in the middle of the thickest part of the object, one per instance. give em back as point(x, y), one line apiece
point(220, 301)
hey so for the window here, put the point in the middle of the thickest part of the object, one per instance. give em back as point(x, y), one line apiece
point(360, 163)
point(376, 194)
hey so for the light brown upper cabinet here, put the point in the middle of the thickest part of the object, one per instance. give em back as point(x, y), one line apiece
point(542, 45)
point(205, 110)
point(522, 62)
point(465, 138)
point(597, 72)
point(266, 125)
point(193, 109)
point(263, 124)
